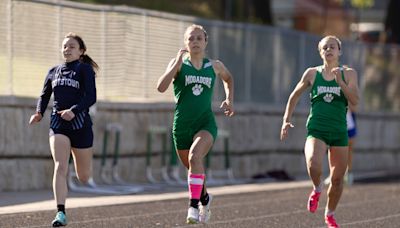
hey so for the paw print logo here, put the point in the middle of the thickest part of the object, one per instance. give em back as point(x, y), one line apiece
point(328, 97)
point(197, 89)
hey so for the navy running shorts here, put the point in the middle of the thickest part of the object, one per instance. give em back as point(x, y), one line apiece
point(351, 125)
point(81, 138)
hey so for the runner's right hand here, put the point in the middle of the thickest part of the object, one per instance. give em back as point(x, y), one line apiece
point(285, 129)
point(180, 54)
point(35, 118)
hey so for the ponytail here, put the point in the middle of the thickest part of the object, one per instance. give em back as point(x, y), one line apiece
point(86, 59)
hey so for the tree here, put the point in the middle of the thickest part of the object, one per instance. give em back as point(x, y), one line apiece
point(359, 5)
point(392, 22)
point(262, 11)
point(253, 11)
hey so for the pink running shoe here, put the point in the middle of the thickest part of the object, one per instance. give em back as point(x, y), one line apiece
point(312, 204)
point(330, 221)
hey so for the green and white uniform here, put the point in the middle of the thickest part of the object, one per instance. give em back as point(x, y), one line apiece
point(193, 91)
point(327, 118)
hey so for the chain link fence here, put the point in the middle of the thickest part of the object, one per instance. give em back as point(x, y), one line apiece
point(133, 47)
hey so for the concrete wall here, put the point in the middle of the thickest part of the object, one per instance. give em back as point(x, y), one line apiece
point(25, 161)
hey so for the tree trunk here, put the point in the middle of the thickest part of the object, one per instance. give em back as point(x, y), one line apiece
point(262, 10)
point(392, 22)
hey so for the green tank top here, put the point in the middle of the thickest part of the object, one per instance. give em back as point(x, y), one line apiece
point(328, 105)
point(193, 90)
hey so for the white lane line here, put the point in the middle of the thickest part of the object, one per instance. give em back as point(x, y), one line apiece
point(303, 211)
point(256, 201)
point(252, 218)
point(114, 218)
point(373, 220)
point(92, 201)
point(262, 201)
point(368, 220)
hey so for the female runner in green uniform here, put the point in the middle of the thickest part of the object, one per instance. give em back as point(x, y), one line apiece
point(194, 128)
point(332, 87)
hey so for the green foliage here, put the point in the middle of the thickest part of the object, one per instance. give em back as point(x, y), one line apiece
point(252, 11)
point(362, 3)
point(201, 8)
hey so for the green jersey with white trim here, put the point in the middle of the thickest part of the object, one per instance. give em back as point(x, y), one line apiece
point(193, 91)
point(328, 105)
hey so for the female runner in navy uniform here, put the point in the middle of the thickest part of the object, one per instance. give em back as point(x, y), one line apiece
point(352, 133)
point(74, 89)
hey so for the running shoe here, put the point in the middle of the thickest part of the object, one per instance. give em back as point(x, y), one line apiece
point(59, 220)
point(312, 204)
point(327, 180)
point(193, 216)
point(330, 221)
point(204, 210)
point(349, 178)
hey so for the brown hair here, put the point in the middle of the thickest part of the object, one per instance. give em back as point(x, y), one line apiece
point(84, 57)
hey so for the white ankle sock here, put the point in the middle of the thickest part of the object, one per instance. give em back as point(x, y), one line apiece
point(329, 212)
point(319, 187)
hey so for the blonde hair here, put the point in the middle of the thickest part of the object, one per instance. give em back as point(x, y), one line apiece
point(195, 26)
point(330, 37)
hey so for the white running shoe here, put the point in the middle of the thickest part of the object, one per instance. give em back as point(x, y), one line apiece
point(327, 180)
point(205, 212)
point(349, 178)
point(192, 216)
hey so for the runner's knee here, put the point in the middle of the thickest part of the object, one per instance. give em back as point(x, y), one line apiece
point(61, 168)
point(336, 181)
point(195, 160)
point(83, 177)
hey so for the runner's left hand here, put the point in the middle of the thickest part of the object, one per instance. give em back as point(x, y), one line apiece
point(66, 114)
point(338, 74)
point(227, 106)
